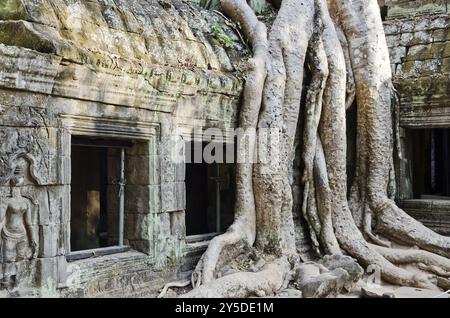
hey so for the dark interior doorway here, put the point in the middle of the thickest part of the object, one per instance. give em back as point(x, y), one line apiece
point(210, 194)
point(89, 216)
point(430, 160)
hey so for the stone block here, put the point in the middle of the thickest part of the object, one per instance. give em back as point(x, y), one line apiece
point(144, 148)
point(446, 49)
point(137, 170)
point(391, 28)
point(142, 246)
point(440, 35)
point(65, 203)
point(164, 228)
point(178, 225)
point(37, 147)
point(62, 271)
point(440, 22)
point(64, 239)
point(48, 240)
point(173, 196)
point(407, 26)
point(406, 39)
point(418, 52)
point(130, 227)
point(64, 170)
point(154, 169)
point(142, 169)
point(13, 10)
point(422, 24)
point(397, 54)
point(392, 40)
point(445, 67)
point(422, 37)
point(155, 198)
point(53, 203)
point(144, 226)
point(20, 66)
point(47, 274)
point(173, 171)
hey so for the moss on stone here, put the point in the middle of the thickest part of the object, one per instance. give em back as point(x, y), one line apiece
point(21, 34)
point(446, 50)
point(445, 68)
point(12, 10)
point(441, 35)
point(442, 84)
point(412, 8)
point(221, 36)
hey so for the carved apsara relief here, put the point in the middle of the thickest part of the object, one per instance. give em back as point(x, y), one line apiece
point(18, 237)
point(39, 146)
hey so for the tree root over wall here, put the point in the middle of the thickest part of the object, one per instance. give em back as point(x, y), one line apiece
point(342, 44)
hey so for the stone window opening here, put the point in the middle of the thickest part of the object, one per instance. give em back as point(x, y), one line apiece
point(96, 228)
point(210, 193)
point(430, 163)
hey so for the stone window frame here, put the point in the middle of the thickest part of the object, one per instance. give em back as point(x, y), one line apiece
point(87, 126)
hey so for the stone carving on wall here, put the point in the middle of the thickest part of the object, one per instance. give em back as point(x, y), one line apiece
point(21, 159)
point(18, 240)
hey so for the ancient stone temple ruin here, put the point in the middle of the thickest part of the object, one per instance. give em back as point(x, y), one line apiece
point(89, 88)
point(419, 39)
point(96, 95)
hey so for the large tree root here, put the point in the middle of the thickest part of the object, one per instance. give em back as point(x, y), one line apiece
point(312, 148)
point(333, 133)
point(352, 241)
point(368, 53)
point(246, 284)
point(348, 59)
point(269, 193)
point(394, 223)
point(206, 268)
point(426, 261)
point(244, 226)
point(178, 284)
point(288, 43)
point(408, 256)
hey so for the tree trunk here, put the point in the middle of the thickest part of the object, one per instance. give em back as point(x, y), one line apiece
point(343, 45)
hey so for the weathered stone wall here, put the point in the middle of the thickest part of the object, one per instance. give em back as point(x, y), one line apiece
point(141, 71)
point(418, 36)
point(420, 57)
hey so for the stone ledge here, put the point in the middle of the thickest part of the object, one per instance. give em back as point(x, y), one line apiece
point(408, 8)
point(152, 87)
point(410, 25)
point(432, 213)
point(130, 273)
